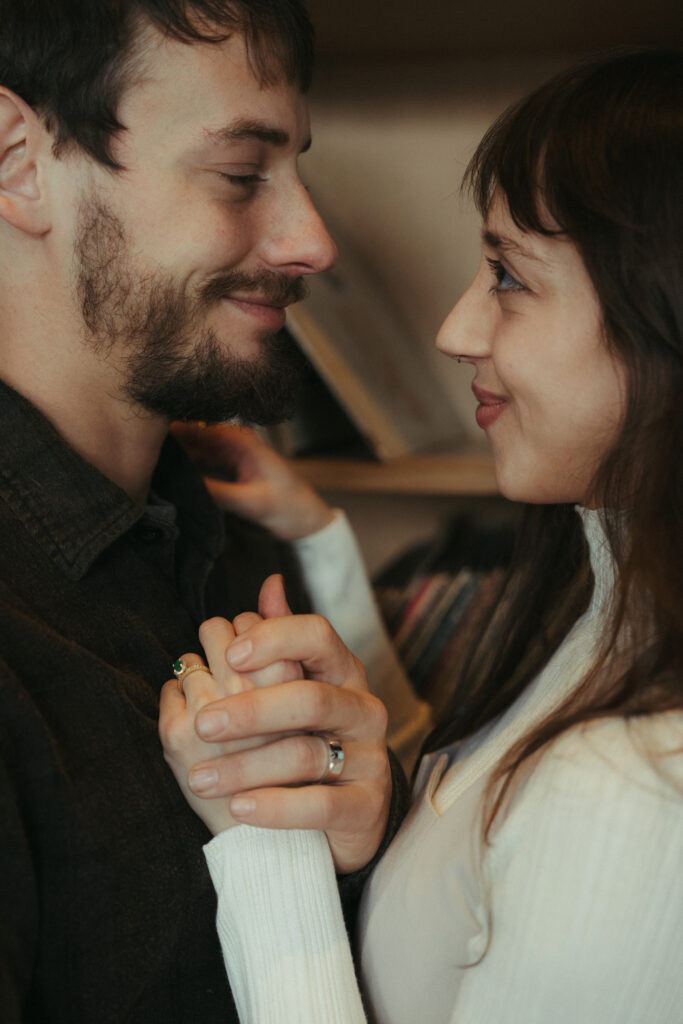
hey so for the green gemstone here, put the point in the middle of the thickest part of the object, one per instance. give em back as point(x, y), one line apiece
point(178, 666)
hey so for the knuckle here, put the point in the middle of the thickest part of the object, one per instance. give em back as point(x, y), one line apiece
point(244, 712)
point(243, 621)
point(204, 696)
point(309, 757)
point(320, 702)
point(358, 669)
point(237, 778)
point(376, 715)
point(270, 675)
point(174, 735)
point(235, 683)
point(323, 632)
point(210, 628)
point(377, 763)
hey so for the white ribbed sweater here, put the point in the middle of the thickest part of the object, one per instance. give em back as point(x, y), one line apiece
point(577, 905)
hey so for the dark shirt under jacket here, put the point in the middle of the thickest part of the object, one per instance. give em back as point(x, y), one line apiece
point(106, 908)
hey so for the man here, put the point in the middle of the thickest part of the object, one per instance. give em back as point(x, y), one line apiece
point(153, 228)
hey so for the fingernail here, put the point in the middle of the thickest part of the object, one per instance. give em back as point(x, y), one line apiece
point(242, 806)
point(238, 652)
point(211, 724)
point(201, 779)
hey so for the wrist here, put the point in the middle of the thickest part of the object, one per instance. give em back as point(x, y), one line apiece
point(310, 519)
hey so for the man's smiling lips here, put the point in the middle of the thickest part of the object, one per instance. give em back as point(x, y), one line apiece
point(269, 314)
point(490, 406)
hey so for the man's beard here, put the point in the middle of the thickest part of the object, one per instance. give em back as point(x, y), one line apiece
point(171, 363)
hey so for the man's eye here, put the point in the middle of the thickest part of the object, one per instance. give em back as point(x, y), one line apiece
point(505, 282)
point(246, 181)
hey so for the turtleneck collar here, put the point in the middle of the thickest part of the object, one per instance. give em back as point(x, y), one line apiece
point(601, 558)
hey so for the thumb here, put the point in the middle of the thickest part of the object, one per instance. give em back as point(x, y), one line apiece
point(272, 601)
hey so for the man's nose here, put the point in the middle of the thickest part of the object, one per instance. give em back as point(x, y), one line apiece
point(300, 241)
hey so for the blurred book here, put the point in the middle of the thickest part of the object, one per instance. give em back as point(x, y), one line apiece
point(434, 596)
point(369, 361)
point(319, 425)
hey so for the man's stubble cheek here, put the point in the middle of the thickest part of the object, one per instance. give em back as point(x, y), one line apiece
point(167, 358)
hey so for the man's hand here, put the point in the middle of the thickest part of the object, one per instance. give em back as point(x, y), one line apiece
point(180, 704)
point(277, 786)
point(266, 488)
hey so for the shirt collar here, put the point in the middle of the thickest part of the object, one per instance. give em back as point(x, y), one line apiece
point(72, 510)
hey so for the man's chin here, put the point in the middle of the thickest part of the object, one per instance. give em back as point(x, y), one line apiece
point(260, 394)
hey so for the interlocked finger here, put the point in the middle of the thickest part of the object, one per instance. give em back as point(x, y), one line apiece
point(335, 809)
point(182, 668)
point(215, 635)
point(245, 621)
point(301, 705)
point(308, 639)
point(282, 671)
point(193, 678)
point(295, 760)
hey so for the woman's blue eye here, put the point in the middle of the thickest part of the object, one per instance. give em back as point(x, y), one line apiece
point(505, 282)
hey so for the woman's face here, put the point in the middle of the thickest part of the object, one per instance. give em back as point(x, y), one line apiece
point(551, 395)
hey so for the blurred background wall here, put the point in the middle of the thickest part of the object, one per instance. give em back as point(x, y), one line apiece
point(403, 93)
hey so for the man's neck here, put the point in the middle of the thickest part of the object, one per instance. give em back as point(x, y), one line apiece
point(121, 440)
point(45, 356)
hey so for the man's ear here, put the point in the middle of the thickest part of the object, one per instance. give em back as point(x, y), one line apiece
point(22, 141)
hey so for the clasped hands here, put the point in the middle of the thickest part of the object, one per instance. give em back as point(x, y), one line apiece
point(244, 742)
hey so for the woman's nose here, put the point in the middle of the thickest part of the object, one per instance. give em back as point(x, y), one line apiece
point(466, 332)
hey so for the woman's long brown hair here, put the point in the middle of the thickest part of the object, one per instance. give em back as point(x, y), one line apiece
point(600, 149)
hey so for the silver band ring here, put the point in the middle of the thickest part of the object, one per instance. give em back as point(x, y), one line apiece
point(335, 761)
point(180, 670)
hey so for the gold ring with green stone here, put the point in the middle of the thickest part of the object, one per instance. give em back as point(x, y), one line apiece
point(180, 670)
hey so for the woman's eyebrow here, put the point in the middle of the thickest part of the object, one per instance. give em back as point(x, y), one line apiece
point(504, 244)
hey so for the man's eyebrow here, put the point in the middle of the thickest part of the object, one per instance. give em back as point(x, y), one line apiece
point(504, 244)
point(260, 131)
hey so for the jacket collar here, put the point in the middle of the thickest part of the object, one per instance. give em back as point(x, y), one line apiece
point(74, 512)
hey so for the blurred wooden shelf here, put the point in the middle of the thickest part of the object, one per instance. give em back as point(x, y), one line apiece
point(358, 28)
point(464, 472)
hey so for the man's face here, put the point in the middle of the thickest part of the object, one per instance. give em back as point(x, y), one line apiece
point(187, 258)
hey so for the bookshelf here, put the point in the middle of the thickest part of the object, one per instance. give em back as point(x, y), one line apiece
point(389, 88)
point(465, 472)
point(368, 28)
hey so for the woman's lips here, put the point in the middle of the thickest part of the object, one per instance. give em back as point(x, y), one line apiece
point(490, 407)
point(269, 316)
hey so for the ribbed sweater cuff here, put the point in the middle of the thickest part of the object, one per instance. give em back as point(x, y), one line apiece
point(281, 927)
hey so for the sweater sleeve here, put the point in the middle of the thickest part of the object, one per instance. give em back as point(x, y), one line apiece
point(585, 889)
point(281, 928)
point(338, 585)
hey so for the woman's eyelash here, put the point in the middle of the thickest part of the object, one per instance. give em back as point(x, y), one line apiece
point(505, 282)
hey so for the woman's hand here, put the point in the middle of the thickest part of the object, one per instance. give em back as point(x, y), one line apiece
point(266, 488)
point(280, 785)
point(179, 706)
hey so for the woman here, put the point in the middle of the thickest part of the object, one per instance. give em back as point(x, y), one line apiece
point(538, 875)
